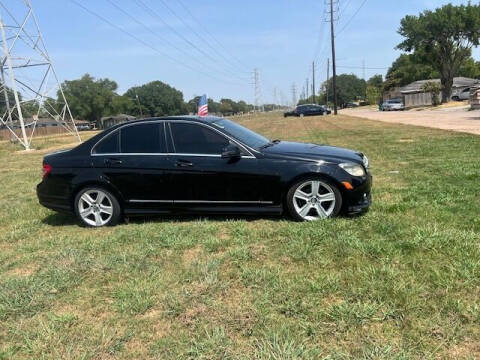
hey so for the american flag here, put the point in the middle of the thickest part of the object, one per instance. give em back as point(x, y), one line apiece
point(203, 106)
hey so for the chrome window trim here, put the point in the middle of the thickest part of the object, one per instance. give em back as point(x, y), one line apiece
point(124, 126)
point(165, 121)
point(238, 143)
point(168, 154)
point(200, 202)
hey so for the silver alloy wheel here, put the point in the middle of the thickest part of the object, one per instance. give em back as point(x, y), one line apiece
point(314, 200)
point(95, 207)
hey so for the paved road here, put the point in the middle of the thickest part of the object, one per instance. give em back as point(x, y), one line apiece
point(455, 119)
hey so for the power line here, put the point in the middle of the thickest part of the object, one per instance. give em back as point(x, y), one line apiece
point(141, 41)
point(154, 14)
point(344, 8)
point(362, 67)
point(184, 52)
point(200, 37)
point(351, 19)
point(210, 34)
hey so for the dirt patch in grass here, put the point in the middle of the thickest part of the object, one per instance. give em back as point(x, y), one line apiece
point(192, 254)
point(468, 349)
point(23, 271)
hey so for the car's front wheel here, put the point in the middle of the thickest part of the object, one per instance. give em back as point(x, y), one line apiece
point(313, 199)
point(97, 207)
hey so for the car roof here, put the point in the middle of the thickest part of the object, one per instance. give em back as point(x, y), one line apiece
point(193, 118)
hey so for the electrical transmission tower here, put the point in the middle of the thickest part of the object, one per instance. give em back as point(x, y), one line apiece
point(294, 95)
point(29, 86)
point(256, 88)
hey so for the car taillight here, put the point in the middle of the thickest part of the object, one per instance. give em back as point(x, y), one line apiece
point(47, 169)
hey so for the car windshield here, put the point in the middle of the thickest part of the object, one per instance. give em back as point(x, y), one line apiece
point(394, 101)
point(242, 134)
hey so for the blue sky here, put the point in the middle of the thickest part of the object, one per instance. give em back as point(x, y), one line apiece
point(278, 37)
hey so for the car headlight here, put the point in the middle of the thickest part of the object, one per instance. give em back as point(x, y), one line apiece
point(353, 169)
point(366, 162)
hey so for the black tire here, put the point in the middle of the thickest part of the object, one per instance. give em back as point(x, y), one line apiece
point(289, 198)
point(116, 209)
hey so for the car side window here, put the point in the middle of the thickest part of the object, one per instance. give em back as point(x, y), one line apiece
point(197, 139)
point(110, 144)
point(143, 139)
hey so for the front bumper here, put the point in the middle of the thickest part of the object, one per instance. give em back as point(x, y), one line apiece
point(358, 200)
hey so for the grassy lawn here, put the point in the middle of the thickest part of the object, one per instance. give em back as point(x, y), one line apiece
point(401, 282)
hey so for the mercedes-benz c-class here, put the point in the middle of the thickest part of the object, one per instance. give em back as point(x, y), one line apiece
point(207, 165)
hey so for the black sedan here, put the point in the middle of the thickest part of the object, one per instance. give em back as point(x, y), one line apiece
point(201, 165)
point(307, 110)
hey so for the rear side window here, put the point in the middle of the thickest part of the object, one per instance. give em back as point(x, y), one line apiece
point(143, 138)
point(108, 145)
point(197, 139)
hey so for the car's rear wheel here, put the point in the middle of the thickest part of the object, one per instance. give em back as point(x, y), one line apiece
point(97, 207)
point(313, 199)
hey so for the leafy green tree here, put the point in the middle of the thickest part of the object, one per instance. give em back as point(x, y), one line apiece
point(406, 69)
point(123, 105)
point(226, 106)
point(470, 69)
point(376, 81)
point(157, 99)
point(374, 95)
point(374, 89)
point(444, 38)
point(88, 98)
point(349, 88)
point(11, 100)
point(213, 106)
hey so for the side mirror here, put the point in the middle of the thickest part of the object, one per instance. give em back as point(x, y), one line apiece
point(231, 152)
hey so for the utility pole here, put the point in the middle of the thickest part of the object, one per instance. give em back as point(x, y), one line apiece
point(328, 77)
point(364, 78)
point(139, 106)
point(313, 82)
point(275, 100)
point(306, 87)
point(334, 64)
point(294, 95)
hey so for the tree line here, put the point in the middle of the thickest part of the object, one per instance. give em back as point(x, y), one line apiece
point(91, 99)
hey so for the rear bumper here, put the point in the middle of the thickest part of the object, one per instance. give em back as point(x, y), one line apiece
point(53, 202)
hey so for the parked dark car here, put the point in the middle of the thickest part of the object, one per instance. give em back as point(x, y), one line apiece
point(307, 110)
point(201, 165)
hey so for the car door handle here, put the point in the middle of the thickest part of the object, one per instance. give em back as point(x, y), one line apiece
point(183, 163)
point(112, 161)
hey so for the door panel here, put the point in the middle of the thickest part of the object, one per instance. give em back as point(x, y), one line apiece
point(210, 179)
point(137, 168)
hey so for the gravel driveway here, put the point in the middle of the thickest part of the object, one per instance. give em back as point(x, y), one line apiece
point(455, 119)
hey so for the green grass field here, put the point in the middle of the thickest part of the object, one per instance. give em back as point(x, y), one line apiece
point(402, 282)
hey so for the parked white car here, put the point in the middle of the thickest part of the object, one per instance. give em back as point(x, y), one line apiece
point(393, 105)
point(461, 95)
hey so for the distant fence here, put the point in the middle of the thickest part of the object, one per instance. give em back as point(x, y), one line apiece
point(418, 99)
point(5, 134)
